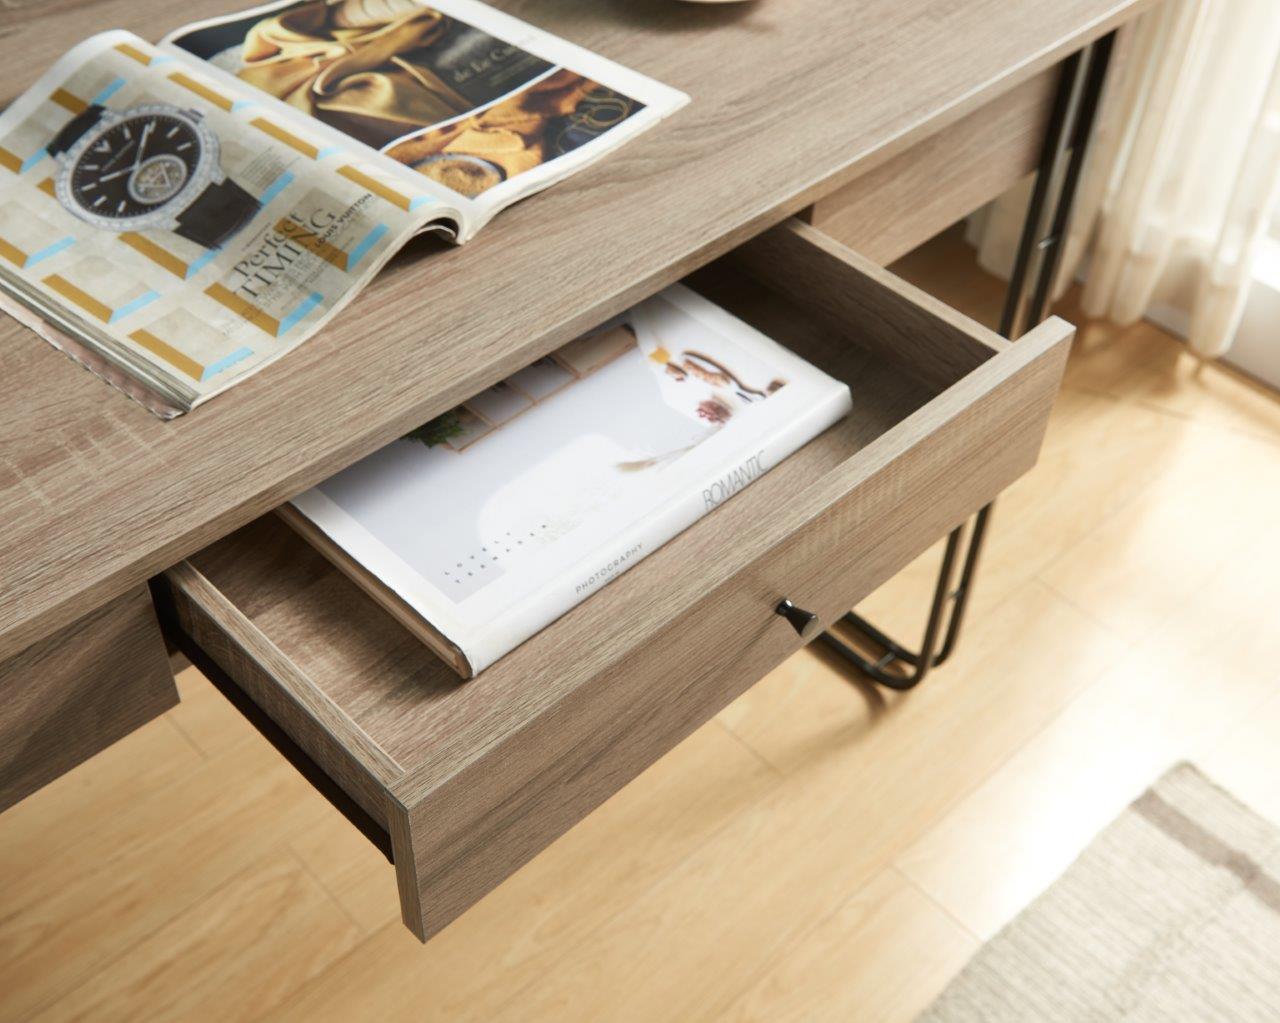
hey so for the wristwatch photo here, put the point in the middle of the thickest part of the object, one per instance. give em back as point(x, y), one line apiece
point(152, 166)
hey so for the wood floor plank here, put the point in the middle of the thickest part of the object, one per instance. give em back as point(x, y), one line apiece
point(1101, 451)
point(352, 870)
point(669, 956)
point(1111, 360)
point(882, 956)
point(1246, 759)
point(1214, 492)
point(253, 939)
point(525, 929)
point(1142, 363)
point(1172, 697)
point(147, 865)
point(72, 811)
point(1211, 393)
point(205, 716)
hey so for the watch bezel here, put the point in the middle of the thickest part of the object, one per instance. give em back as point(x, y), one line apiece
point(208, 170)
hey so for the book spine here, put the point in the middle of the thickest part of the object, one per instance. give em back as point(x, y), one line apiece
point(603, 566)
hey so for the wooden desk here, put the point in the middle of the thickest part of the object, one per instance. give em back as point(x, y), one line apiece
point(794, 101)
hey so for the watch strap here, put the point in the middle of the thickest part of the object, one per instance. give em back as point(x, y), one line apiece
point(216, 214)
point(73, 130)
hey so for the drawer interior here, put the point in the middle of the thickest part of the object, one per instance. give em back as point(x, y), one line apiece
point(401, 695)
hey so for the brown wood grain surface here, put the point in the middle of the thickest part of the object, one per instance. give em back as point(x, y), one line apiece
point(887, 212)
point(494, 769)
point(73, 694)
point(790, 101)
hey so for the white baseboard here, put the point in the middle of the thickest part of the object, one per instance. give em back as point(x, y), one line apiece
point(1171, 319)
point(1256, 349)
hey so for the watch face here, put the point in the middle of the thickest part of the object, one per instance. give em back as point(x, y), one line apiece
point(138, 169)
point(158, 179)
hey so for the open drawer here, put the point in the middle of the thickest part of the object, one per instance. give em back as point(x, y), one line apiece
point(470, 780)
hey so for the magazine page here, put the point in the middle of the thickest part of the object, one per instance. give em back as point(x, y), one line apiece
point(478, 102)
point(160, 221)
point(549, 485)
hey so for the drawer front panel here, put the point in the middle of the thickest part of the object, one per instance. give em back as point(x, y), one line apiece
point(79, 690)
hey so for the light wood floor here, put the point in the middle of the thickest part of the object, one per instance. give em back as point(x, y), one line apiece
point(819, 851)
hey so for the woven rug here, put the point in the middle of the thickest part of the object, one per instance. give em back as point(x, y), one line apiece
point(1172, 913)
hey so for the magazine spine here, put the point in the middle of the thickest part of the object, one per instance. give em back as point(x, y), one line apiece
point(606, 563)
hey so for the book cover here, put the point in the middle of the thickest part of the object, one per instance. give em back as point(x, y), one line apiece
point(489, 522)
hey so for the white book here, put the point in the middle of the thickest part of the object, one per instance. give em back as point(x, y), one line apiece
point(488, 523)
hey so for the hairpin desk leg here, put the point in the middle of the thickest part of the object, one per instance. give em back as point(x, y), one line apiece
point(1026, 304)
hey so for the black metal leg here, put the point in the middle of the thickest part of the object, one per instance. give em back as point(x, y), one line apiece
point(887, 670)
point(1038, 259)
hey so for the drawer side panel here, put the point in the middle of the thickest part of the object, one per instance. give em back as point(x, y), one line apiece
point(271, 681)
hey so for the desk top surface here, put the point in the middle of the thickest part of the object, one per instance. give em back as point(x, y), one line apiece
point(790, 99)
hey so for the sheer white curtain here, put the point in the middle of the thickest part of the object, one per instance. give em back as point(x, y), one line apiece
point(1183, 171)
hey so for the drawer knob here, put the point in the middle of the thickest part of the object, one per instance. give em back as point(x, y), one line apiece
point(804, 622)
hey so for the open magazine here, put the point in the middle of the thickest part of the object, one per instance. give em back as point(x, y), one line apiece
point(178, 216)
point(489, 522)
